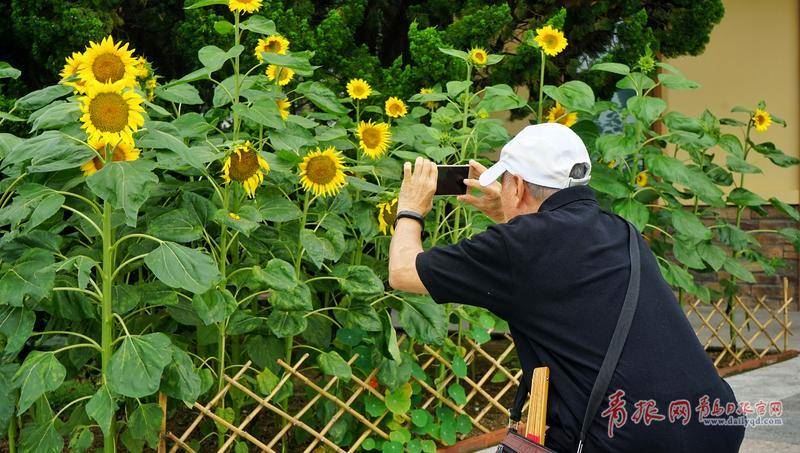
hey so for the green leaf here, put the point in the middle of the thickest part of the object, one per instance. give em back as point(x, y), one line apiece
point(461, 55)
point(743, 197)
point(459, 366)
point(739, 165)
point(177, 225)
point(677, 82)
point(202, 3)
point(332, 364)
point(299, 62)
point(213, 58)
point(295, 298)
point(608, 183)
point(733, 267)
point(7, 71)
point(423, 319)
point(361, 281)
point(16, 324)
point(214, 305)
point(457, 394)
point(259, 24)
point(223, 27)
point(792, 234)
point(633, 211)
point(46, 208)
point(263, 112)
point(181, 267)
point(136, 366)
point(39, 98)
point(456, 87)
point(81, 440)
point(685, 251)
point(161, 135)
point(126, 185)
point(266, 381)
point(31, 275)
point(688, 224)
point(574, 95)
point(275, 207)
point(675, 171)
point(420, 418)
point(398, 401)
point(637, 82)
point(314, 247)
point(41, 372)
point(49, 151)
point(54, 116)
point(775, 155)
point(321, 96)
point(713, 255)
point(731, 144)
point(145, 424)
point(646, 109)
point(286, 323)
point(41, 437)
point(102, 408)
point(180, 94)
point(785, 208)
point(277, 274)
point(616, 68)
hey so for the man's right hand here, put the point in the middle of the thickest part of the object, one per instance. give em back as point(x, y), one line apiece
point(489, 201)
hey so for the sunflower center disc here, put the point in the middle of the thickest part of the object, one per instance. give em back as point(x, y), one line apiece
point(108, 68)
point(273, 46)
point(109, 112)
point(371, 137)
point(550, 40)
point(321, 170)
point(117, 156)
point(243, 165)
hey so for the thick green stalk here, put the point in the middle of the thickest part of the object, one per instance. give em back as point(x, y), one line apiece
point(107, 320)
point(237, 36)
point(541, 91)
point(12, 435)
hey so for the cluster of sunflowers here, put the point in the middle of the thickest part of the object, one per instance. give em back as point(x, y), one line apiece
point(106, 76)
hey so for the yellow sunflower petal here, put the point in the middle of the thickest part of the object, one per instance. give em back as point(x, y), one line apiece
point(282, 76)
point(395, 107)
point(107, 63)
point(111, 113)
point(271, 44)
point(244, 6)
point(321, 172)
point(761, 120)
point(478, 56)
point(358, 89)
point(374, 138)
point(245, 166)
point(551, 40)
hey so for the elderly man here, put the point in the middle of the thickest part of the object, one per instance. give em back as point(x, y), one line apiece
point(558, 268)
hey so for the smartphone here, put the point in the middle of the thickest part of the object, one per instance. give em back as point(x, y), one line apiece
point(450, 180)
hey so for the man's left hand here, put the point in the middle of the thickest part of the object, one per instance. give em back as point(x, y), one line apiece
point(418, 187)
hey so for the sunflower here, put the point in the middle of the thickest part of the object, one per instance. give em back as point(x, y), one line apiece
point(358, 89)
point(271, 44)
point(246, 166)
point(478, 56)
point(283, 107)
point(395, 107)
point(551, 40)
point(283, 75)
point(322, 173)
point(641, 179)
point(150, 85)
point(122, 152)
point(111, 113)
point(430, 104)
point(142, 68)
point(108, 62)
point(374, 138)
point(244, 6)
point(558, 114)
point(387, 213)
point(761, 120)
point(69, 74)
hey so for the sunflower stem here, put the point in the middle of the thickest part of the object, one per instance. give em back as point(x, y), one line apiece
point(107, 316)
point(541, 90)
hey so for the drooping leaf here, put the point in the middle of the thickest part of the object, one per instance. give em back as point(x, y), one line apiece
point(331, 363)
point(633, 211)
point(258, 24)
point(360, 281)
point(177, 225)
point(16, 324)
point(423, 319)
point(145, 423)
point(181, 267)
point(214, 305)
point(136, 366)
point(292, 299)
point(646, 109)
point(286, 323)
point(743, 197)
point(102, 408)
point(126, 185)
point(277, 274)
point(41, 372)
point(574, 95)
point(41, 437)
point(398, 401)
point(736, 269)
point(688, 224)
point(320, 95)
point(31, 275)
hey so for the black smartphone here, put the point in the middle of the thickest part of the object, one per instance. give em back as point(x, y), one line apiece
point(450, 179)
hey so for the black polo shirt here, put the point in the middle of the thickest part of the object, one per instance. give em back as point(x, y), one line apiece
point(559, 277)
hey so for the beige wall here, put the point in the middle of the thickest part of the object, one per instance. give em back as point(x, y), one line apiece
point(754, 55)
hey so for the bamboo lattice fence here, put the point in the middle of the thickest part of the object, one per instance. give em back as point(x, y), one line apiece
point(265, 421)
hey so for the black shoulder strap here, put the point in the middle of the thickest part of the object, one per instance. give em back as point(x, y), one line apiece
point(614, 348)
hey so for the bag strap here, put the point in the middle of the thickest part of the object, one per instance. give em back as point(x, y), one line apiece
point(614, 351)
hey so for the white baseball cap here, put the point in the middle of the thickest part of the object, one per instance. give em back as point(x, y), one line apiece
point(542, 154)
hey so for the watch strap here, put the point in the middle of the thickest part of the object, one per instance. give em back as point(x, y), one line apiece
point(405, 214)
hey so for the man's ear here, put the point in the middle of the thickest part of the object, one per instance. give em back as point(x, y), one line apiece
point(519, 190)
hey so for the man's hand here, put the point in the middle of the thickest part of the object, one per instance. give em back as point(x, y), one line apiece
point(417, 189)
point(489, 202)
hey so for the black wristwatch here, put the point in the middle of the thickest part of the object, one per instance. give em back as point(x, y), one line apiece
point(410, 215)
